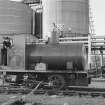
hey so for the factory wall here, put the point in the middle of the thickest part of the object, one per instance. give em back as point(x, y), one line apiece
point(15, 18)
point(15, 23)
point(69, 15)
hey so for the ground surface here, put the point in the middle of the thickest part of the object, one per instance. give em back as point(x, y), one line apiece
point(60, 100)
point(56, 100)
point(5, 98)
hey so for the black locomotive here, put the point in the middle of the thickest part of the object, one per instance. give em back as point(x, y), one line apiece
point(56, 64)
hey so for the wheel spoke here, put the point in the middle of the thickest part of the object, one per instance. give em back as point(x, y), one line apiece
point(57, 81)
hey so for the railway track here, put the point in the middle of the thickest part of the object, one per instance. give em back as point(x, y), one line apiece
point(14, 90)
point(69, 91)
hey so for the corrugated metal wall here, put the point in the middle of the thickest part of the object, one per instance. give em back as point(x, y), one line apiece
point(15, 23)
point(15, 18)
point(73, 14)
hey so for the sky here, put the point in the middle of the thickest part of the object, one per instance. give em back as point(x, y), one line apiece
point(98, 14)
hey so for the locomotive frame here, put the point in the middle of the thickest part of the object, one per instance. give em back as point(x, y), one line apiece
point(54, 78)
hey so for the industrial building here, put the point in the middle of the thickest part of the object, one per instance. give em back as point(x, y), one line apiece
point(21, 23)
point(48, 39)
point(68, 15)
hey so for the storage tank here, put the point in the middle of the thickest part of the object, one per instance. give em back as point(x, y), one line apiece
point(15, 18)
point(73, 15)
point(56, 56)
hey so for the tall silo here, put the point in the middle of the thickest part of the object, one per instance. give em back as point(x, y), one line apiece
point(15, 18)
point(73, 15)
point(16, 24)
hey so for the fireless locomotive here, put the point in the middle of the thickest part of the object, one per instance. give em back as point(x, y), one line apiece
point(57, 64)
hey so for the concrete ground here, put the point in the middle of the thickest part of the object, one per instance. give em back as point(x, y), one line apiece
point(56, 100)
point(5, 97)
point(59, 100)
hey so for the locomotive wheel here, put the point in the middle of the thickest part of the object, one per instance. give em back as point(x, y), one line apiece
point(28, 84)
point(56, 81)
point(29, 81)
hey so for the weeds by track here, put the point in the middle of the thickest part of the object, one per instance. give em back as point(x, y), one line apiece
point(69, 91)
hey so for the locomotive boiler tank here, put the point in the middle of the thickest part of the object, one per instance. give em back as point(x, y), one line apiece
point(56, 57)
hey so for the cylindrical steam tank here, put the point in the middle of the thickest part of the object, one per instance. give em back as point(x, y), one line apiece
point(56, 56)
point(73, 15)
point(15, 18)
